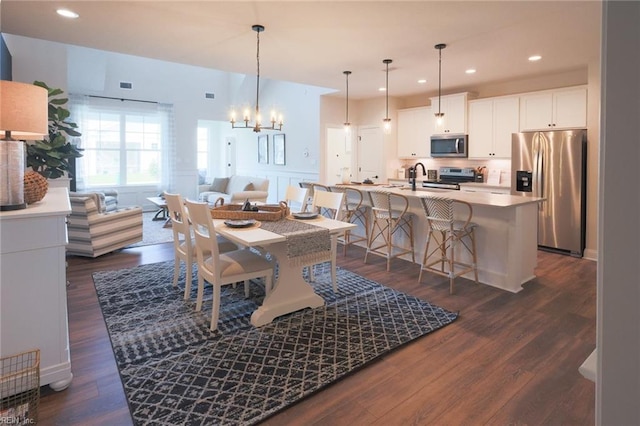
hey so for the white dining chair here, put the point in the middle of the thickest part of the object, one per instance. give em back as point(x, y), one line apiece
point(296, 196)
point(222, 268)
point(183, 243)
point(328, 204)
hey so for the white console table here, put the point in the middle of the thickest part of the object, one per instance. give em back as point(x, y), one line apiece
point(33, 294)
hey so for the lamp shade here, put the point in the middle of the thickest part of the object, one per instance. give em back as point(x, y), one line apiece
point(23, 111)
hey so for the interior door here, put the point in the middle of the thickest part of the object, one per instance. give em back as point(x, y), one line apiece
point(370, 154)
point(338, 154)
point(230, 155)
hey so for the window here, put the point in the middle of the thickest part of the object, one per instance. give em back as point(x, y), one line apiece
point(124, 144)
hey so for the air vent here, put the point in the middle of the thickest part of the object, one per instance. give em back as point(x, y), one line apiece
point(209, 95)
point(126, 85)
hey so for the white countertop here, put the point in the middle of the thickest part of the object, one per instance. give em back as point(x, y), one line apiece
point(55, 202)
point(473, 198)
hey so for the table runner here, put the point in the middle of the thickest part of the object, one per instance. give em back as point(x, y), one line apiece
point(306, 243)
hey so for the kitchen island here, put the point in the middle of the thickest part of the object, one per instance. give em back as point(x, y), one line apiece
point(506, 236)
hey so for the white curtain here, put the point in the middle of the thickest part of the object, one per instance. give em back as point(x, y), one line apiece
point(80, 107)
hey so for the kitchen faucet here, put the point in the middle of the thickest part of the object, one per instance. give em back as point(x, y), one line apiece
point(413, 173)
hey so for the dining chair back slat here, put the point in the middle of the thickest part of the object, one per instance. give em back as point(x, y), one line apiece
point(327, 203)
point(296, 198)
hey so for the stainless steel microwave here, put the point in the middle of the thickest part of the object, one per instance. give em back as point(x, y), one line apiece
point(450, 146)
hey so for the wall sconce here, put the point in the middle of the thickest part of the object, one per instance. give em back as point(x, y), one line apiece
point(23, 116)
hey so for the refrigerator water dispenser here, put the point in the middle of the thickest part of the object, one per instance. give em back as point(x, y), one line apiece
point(523, 181)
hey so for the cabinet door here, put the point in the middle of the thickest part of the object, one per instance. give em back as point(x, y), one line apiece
point(570, 108)
point(506, 120)
point(536, 111)
point(414, 132)
point(454, 108)
point(481, 128)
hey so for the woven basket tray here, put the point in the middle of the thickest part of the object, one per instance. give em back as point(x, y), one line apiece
point(265, 213)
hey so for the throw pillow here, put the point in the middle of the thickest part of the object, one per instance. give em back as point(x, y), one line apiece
point(249, 187)
point(219, 185)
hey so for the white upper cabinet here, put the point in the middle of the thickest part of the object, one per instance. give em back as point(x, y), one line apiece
point(491, 123)
point(454, 108)
point(415, 126)
point(554, 109)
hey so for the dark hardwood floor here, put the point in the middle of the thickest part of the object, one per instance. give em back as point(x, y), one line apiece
point(508, 359)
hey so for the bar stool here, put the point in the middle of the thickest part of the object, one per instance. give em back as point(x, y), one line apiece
point(447, 232)
point(390, 216)
point(353, 211)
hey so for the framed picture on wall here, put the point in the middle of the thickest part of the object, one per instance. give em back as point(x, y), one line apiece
point(279, 150)
point(263, 149)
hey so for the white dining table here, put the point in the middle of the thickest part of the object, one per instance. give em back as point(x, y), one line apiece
point(290, 292)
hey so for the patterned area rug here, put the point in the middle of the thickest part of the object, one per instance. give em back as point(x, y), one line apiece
point(153, 231)
point(175, 371)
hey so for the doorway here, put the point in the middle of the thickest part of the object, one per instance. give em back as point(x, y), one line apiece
point(338, 155)
point(370, 154)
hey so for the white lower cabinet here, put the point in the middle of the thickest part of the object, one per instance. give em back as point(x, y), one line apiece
point(33, 290)
point(483, 187)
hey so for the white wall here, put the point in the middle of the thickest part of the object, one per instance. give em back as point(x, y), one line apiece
point(93, 72)
point(618, 328)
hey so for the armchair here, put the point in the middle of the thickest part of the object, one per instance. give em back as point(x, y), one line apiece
point(93, 233)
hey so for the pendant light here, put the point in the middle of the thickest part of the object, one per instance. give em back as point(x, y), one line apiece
point(387, 121)
point(276, 123)
point(347, 125)
point(439, 115)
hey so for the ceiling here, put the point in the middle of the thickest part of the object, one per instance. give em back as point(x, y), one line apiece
point(313, 42)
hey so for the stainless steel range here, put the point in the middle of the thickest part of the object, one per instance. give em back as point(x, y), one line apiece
point(451, 177)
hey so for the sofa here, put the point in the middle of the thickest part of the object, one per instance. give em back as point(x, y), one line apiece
point(235, 189)
point(92, 231)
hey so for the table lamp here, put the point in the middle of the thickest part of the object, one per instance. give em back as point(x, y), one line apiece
point(23, 116)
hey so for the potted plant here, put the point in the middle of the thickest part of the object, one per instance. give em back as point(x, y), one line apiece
point(51, 157)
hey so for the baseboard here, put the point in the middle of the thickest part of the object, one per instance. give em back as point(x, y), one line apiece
point(590, 254)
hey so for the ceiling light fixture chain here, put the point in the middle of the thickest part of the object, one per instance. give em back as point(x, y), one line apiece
point(276, 123)
point(387, 120)
point(347, 124)
point(439, 115)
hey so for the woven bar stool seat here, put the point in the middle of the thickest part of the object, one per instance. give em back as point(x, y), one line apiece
point(447, 233)
point(390, 216)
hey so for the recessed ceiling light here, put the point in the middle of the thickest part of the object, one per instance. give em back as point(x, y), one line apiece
point(535, 58)
point(67, 13)
point(382, 89)
point(471, 71)
point(422, 81)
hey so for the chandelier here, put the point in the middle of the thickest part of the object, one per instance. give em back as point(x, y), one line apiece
point(275, 120)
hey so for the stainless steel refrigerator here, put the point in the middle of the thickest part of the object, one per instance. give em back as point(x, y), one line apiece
point(553, 165)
